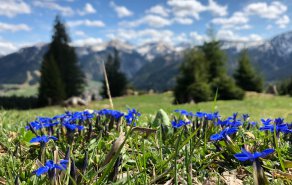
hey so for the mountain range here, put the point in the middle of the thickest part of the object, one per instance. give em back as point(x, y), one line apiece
point(152, 65)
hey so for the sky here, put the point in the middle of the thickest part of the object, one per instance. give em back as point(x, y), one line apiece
point(93, 22)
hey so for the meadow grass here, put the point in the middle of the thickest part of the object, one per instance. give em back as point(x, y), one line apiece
point(258, 105)
point(178, 155)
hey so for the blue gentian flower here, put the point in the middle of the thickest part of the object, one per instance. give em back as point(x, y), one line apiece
point(280, 126)
point(234, 115)
point(222, 122)
point(266, 122)
point(232, 121)
point(179, 123)
point(50, 166)
point(208, 116)
point(76, 116)
point(212, 116)
point(245, 155)
point(47, 122)
point(279, 121)
point(114, 113)
point(87, 115)
point(42, 139)
point(73, 127)
point(60, 116)
point(182, 112)
point(132, 116)
point(253, 123)
point(222, 135)
point(245, 117)
point(35, 125)
point(200, 114)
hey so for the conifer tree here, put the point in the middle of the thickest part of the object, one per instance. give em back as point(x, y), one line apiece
point(217, 75)
point(246, 77)
point(51, 90)
point(215, 58)
point(191, 81)
point(116, 79)
point(64, 55)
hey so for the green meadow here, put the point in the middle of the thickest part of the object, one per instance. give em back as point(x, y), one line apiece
point(163, 154)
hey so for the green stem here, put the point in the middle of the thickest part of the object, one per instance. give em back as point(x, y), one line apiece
point(278, 150)
point(144, 163)
point(175, 158)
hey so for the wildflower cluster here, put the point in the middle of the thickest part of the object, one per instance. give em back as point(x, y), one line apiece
point(96, 146)
point(278, 126)
point(73, 130)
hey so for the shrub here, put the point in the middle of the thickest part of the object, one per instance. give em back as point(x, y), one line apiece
point(227, 89)
point(199, 92)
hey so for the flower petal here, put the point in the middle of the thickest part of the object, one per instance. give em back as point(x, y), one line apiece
point(266, 152)
point(241, 157)
point(41, 171)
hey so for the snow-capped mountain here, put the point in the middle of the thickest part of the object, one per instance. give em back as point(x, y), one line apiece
point(155, 49)
point(152, 65)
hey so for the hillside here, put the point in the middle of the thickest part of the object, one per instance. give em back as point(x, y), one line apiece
point(152, 65)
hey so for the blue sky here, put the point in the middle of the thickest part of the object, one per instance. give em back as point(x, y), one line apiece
point(93, 22)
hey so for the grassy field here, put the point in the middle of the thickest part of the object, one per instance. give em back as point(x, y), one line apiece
point(156, 159)
point(257, 105)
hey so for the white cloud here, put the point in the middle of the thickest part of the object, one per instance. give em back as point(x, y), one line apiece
point(65, 10)
point(11, 8)
point(143, 36)
point(217, 9)
point(193, 8)
point(262, 9)
point(181, 38)
point(159, 10)
point(182, 20)
point(79, 33)
point(7, 47)
point(88, 9)
point(150, 20)
point(237, 19)
point(229, 35)
point(122, 11)
point(243, 27)
point(86, 22)
point(283, 21)
point(199, 39)
point(190, 8)
point(14, 27)
point(91, 41)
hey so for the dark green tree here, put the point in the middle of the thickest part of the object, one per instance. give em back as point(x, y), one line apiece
point(216, 59)
point(51, 90)
point(65, 58)
point(217, 75)
point(285, 87)
point(116, 79)
point(245, 75)
point(191, 81)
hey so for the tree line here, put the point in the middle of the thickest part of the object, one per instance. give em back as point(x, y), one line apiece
point(62, 77)
point(202, 75)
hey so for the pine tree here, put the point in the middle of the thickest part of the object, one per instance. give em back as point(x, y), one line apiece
point(217, 75)
point(191, 82)
point(216, 59)
point(51, 87)
point(116, 79)
point(246, 77)
point(65, 58)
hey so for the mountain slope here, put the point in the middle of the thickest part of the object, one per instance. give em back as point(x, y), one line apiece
point(152, 65)
point(24, 65)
